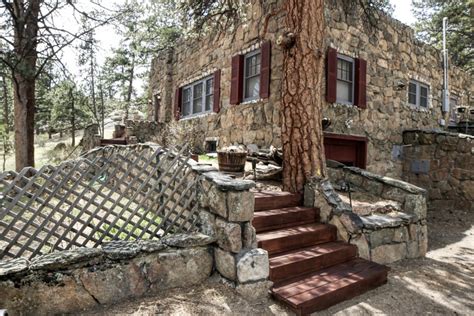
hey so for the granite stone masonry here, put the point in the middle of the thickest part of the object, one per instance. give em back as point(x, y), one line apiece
point(394, 57)
point(443, 164)
point(394, 230)
point(75, 280)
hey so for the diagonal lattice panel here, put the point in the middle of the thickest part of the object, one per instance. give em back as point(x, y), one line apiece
point(110, 193)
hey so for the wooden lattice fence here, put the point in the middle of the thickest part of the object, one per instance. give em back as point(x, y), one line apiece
point(110, 193)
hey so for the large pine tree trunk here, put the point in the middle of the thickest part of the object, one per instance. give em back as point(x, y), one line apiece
point(24, 77)
point(303, 64)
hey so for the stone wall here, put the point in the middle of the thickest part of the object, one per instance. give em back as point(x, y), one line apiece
point(223, 240)
point(386, 218)
point(256, 122)
point(443, 164)
point(393, 55)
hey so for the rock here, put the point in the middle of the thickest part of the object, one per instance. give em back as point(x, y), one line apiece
point(120, 249)
point(225, 263)
point(389, 253)
point(177, 268)
point(229, 235)
point(206, 223)
point(362, 245)
point(249, 236)
point(217, 201)
point(256, 291)
point(117, 283)
point(253, 265)
point(240, 206)
point(226, 183)
point(186, 240)
point(150, 246)
point(66, 259)
point(13, 266)
point(342, 233)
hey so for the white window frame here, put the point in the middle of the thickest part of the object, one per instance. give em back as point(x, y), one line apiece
point(352, 61)
point(419, 85)
point(203, 98)
point(246, 77)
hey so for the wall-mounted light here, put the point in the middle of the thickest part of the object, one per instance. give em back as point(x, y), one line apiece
point(401, 85)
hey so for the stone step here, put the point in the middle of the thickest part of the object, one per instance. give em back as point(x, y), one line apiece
point(270, 200)
point(298, 262)
point(322, 289)
point(281, 240)
point(284, 217)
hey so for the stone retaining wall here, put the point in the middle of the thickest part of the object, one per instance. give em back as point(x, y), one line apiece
point(443, 164)
point(393, 230)
point(223, 241)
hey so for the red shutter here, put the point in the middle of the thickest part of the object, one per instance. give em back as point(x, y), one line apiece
point(217, 91)
point(360, 83)
point(177, 103)
point(331, 76)
point(236, 84)
point(265, 67)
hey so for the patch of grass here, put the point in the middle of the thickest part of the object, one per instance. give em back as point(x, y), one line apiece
point(205, 157)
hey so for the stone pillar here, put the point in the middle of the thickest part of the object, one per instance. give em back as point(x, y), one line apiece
point(229, 205)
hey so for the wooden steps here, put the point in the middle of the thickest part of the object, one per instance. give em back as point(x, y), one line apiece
point(298, 262)
point(285, 217)
point(276, 200)
point(310, 269)
point(281, 240)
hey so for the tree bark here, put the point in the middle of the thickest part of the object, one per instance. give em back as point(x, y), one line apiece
point(25, 22)
point(130, 87)
point(6, 107)
point(303, 64)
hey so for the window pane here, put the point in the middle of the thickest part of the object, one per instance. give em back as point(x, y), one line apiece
point(252, 87)
point(344, 91)
point(252, 65)
point(412, 98)
point(344, 70)
point(186, 109)
point(424, 91)
point(187, 95)
point(412, 88)
point(197, 106)
point(197, 91)
point(424, 102)
point(209, 99)
point(209, 86)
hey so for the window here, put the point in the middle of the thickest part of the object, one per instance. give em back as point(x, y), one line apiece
point(198, 97)
point(252, 76)
point(418, 93)
point(345, 80)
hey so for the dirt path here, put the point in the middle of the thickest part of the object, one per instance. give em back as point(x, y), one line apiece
point(440, 284)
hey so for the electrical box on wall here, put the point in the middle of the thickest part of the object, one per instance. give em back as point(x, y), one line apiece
point(420, 166)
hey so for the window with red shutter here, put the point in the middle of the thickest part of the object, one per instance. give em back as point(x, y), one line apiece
point(236, 85)
point(265, 69)
point(361, 83)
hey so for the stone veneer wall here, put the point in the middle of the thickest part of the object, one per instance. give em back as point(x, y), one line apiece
point(256, 122)
point(383, 238)
point(79, 279)
point(393, 55)
point(443, 164)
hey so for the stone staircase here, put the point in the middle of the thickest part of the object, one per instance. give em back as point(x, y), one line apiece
point(310, 269)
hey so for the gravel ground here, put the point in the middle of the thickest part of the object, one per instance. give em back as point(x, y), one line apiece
point(442, 283)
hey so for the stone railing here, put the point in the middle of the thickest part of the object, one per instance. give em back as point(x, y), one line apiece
point(387, 220)
point(74, 280)
point(443, 164)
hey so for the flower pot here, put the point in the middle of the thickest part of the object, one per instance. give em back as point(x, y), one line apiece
point(231, 161)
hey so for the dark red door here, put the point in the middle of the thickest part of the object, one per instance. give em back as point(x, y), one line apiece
point(347, 149)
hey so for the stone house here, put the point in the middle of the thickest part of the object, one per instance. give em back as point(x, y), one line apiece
point(226, 89)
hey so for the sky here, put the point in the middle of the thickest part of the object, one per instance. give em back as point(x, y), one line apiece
point(108, 39)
